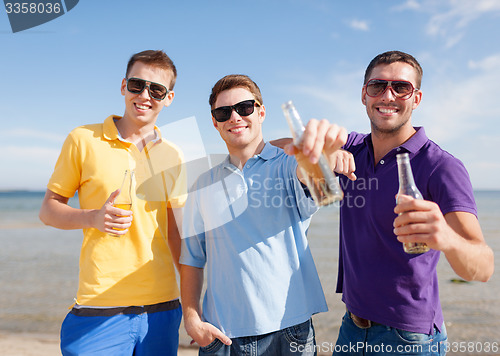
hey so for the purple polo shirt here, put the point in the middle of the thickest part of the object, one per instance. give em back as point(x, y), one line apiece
point(379, 281)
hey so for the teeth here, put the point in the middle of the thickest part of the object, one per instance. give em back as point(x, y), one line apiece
point(237, 130)
point(387, 111)
point(142, 107)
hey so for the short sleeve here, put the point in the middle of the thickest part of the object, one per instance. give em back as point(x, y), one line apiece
point(450, 187)
point(178, 194)
point(65, 179)
point(193, 249)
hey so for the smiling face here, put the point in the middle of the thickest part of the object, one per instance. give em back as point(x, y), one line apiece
point(140, 109)
point(240, 132)
point(389, 114)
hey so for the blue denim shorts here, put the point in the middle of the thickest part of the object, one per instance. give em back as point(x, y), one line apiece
point(381, 340)
point(138, 334)
point(295, 340)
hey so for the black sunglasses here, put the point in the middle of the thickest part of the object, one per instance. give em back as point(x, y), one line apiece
point(243, 108)
point(156, 91)
point(400, 88)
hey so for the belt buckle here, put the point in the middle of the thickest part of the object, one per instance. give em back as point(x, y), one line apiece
point(361, 323)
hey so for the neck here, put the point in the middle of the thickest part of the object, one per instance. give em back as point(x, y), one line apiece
point(240, 156)
point(138, 135)
point(384, 142)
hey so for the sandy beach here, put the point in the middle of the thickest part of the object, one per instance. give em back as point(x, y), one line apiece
point(31, 344)
point(39, 273)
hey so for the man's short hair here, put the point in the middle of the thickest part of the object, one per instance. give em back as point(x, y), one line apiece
point(392, 57)
point(154, 58)
point(234, 81)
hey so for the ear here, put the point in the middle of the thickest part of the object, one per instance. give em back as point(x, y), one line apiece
point(123, 87)
point(417, 99)
point(169, 98)
point(262, 113)
point(363, 96)
point(214, 122)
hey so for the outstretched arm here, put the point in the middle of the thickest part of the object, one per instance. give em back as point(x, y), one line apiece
point(320, 136)
point(457, 234)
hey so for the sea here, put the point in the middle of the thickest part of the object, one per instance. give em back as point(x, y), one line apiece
point(39, 275)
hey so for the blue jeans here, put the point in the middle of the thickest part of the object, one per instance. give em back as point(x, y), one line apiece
point(381, 339)
point(295, 340)
point(123, 334)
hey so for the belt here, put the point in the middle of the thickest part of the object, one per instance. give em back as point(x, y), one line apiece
point(360, 322)
point(137, 310)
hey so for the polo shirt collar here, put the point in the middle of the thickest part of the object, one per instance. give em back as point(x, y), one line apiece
point(412, 145)
point(110, 131)
point(416, 142)
point(268, 152)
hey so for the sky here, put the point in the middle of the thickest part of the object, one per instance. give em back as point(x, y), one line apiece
point(67, 72)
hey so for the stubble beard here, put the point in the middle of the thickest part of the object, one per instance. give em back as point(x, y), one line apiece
point(387, 131)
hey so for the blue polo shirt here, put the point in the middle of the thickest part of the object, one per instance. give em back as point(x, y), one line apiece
point(249, 228)
point(379, 281)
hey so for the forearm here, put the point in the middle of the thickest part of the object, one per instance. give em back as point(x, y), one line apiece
point(468, 254)
point(191, 287)
point(457, 234)
point(471, 261)
point(58, 214)
point(174, 235)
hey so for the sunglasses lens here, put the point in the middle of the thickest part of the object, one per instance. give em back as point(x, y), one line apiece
point(135, 86)
point(222, 114)
point(376, 87)
point(245, 108)
point(402, 88)
point(157, 91)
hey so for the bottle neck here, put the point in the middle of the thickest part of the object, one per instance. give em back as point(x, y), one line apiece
point(405, 173)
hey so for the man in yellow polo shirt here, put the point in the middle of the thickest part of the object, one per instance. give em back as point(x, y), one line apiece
point(127, 301)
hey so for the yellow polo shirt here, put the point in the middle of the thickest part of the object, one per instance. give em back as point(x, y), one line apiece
point(137, 268)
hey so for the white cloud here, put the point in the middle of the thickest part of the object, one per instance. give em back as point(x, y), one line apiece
point(491, 63)
point(22, 133)
point(359, 25)
point(449, 19)
point(408, 5)
point(460, 114)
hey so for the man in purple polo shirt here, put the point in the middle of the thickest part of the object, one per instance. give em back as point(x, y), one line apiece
point(392, 297)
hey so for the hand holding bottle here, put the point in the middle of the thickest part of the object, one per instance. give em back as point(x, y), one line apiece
point(313, 144)
point(421, 222)
point(115, 216)
point(408, 187)
point(110, 219)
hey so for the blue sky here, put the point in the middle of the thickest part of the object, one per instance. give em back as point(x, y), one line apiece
point(67, 72)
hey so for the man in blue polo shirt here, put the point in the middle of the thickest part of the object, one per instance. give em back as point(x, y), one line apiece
point(392, 297)
point(246, 220)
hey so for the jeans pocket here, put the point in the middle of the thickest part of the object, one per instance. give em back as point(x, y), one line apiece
point(214, 346)
point(301, 333)
point(412, 337)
